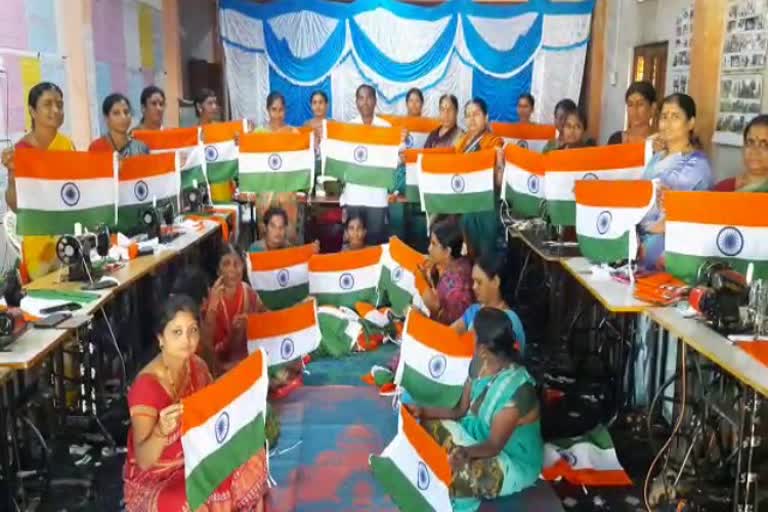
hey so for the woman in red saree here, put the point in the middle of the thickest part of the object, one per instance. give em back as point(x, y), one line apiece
point(154, 468)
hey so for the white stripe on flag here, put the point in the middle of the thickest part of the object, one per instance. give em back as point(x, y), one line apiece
point(536, 145)
point(278, 161)
point(523, 181)
point(225, 151)
point(412, 174)
point(420, 357)
point(331, 282)
point(287, 347)
point(280, 279)
point(376, 155)
point(743, 242)
point(560, 184)
point(54, 195)
point(480, 181)
point(607, 223)
point(146, 189)
point(417, 140)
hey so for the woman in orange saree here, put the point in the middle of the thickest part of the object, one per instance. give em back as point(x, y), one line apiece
point(154, 468)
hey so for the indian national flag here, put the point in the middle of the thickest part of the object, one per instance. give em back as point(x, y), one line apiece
point(527, 136)
point(413, 469)
point(361, 154)
point(564, 167)
point(56, 189)
point(434, 361)
point(523, 180)
point(222, 427)
point(341, 329)
point(146, 180)
point(221, 153)
point(281, 277)
point(711, 226)
point(585, 460)
point(345, 278)
point(285, 335)
point(457, 183)
point(401, 279)
point(412, 170)
point(607, 213)
point(277, 162)
point(418, 128)
point(184, 141)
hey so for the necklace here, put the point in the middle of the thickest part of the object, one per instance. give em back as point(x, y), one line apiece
point(174, 390)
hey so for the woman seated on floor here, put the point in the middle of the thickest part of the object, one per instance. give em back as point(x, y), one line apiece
point(755, 178)
point(488, 283)
point(275, 231)
point(449, 275)
point(355, 233)
point(493, 435)
point(154, 467)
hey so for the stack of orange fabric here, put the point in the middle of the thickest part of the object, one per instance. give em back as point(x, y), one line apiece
point(661, 289)
point(758, 349)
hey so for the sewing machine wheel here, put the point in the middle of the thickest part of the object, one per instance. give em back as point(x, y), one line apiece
point(149, 217)
point(68, 250)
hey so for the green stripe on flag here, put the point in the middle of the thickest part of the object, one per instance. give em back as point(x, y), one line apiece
point(189, 175)
point(334, 338)
point(62, 222)
point(427, 392)
point(222, 172)
point(524, 204)
point(686, 267)
point(275, 181)
point(349, 299)
point(349, 172)
point(397, 486)
point(219, 465)
point(605, 250)
point(412, 194)
point(562, 213)
point(284, 298)
point(396, 297)
point(459, 203)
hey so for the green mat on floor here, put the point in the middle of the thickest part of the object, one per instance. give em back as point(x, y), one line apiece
point(347, 370)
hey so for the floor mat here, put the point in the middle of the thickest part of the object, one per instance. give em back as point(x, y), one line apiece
point(321, 460)
point(346, 371)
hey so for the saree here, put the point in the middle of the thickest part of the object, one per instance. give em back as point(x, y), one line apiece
point(454, 291)
point(162, 487)
point(518, 464)
point(230, 350)
point(38, 253)
point(481, 229)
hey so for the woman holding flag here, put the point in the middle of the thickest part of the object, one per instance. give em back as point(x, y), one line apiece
point(493, 435)
point(153, 475)
point(755, 178)
point(447, 134)
point(118, 116)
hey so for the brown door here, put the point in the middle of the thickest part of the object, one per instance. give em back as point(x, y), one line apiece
point(650, 64)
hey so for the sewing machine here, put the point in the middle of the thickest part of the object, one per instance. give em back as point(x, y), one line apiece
point(195, 198)
point(12, 322)
point(157, 222)
point(719, 295)
point(74, 251)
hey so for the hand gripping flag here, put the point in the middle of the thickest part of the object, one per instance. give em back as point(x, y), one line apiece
point(434, 361)
point(345, 278)
point(563, 168)
point(523, 187)
point(527, 136)
point(277, 162)
point(457, 183)
point(222, 427)
point(360, 154)
point(281, 277)
point(57, 189)
point(712, 226)
point(418, 128)
point(285, 335)
point(607, 213)
point(412, 170)
point(146, 180)
point(184, 141)
point(414, 469)
point(221, 157)
point(401, 281)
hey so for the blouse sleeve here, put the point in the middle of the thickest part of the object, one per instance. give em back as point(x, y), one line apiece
point(694, 174)
point(147, 396)
point(255, 305)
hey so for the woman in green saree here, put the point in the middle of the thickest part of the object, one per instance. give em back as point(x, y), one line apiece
point(493, 435)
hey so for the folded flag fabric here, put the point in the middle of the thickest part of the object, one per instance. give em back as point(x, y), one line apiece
point(589, 460)
point(277, 162)
point(361, 154)
point(57, 189)
point(523, 135)
point(523, 186)
point(708, 226)
point(564, 168)
point(401, 282)
point(434, 361)
point(281, 277)
point(345, 278)
point(184, 141)
point(412, 170)
point(221, 157)
point(285, 335)
point(414, 469)
point(222, 427)
point(418, 128)
point(146, 180)
point(341, 330)
point(457, 183)
point(607, 213)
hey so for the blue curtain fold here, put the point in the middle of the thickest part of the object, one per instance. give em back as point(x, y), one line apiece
point(398, 71)
point(298, 109)
point(495, 61)
point(501, 94)
point(312, 68)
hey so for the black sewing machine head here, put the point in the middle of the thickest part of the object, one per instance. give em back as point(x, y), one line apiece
point(75, 252)
point(153, 218)
point(195, 198)
point(12, 321)
point(719, 295)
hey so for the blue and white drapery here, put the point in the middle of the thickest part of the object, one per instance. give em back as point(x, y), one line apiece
point(459, 47)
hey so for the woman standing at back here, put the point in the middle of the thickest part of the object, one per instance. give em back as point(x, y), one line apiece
point(640, 99)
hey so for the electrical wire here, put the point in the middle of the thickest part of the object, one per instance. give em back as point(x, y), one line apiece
point(683, 362)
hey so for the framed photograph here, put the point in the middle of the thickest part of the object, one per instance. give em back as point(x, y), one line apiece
point(741, 99)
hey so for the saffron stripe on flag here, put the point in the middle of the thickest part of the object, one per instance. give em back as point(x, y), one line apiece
point(734, 208)
point(141, 167)
point(36, 164)
point(274, 142)
point(438, 337)
point(169, 138)
point(363, 134)
point(281, 258)
point(345, 261)
point(277, 323)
